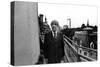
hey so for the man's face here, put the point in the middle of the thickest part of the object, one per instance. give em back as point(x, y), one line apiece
point(54, 28)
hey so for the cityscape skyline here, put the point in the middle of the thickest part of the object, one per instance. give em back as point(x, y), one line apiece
point(78, 14)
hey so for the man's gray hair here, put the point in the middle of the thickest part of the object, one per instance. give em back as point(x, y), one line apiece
point(54, 22)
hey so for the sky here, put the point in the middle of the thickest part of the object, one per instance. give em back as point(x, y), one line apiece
point(61, 12)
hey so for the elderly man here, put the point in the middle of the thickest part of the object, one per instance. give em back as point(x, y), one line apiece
point(53, 44)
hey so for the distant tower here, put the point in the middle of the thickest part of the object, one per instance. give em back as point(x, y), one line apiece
point(69, 21)
point(41, 18)
point(41, 23)
point(87, 22)
point(46, 26)
point(45, 20)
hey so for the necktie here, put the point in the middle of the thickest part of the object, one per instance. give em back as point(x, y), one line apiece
point(54, 34)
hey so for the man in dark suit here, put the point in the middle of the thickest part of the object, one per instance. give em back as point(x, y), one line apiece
point(53, 44)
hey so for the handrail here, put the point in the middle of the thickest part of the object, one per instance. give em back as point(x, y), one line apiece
point(70, 45)
point(76, 49)
point(80, 46)
point(73, 52)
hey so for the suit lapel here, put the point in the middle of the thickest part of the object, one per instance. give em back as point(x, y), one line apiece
point(51, 35)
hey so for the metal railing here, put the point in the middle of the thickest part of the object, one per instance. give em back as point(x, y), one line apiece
point(77, 53)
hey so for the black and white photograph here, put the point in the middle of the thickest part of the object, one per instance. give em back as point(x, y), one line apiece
point(53, 33)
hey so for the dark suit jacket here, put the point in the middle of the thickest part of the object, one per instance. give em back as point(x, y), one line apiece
point(53, 48)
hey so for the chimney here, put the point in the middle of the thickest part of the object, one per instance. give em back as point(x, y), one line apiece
point(41, 17)
point(69, 21)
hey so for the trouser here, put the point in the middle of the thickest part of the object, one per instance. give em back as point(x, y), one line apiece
point(54, 61)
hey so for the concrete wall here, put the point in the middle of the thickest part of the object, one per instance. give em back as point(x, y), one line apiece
point(26, 38)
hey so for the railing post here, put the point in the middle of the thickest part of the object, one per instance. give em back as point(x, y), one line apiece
point(78, 57)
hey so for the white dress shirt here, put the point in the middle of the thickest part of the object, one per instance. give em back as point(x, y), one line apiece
point(53, 33)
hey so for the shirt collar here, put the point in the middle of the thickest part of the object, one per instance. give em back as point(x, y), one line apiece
point(53, 33)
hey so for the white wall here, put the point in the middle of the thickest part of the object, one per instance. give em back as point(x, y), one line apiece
point(26, 38)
